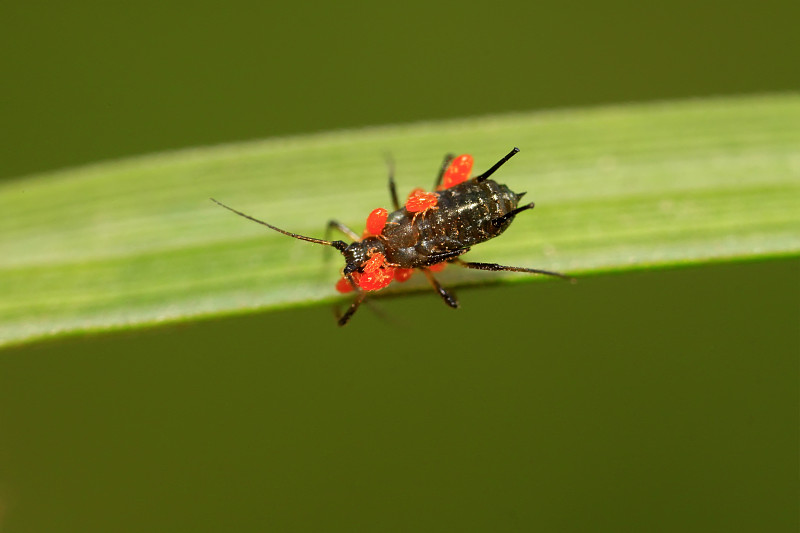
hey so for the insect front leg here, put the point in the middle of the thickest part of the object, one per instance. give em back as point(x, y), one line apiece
point(336, 225)
point(345, 318)
point(448, 298)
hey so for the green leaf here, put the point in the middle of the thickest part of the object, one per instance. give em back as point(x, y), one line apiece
point(133, 242)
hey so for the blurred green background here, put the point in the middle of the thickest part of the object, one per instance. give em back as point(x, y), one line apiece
point(650, 401)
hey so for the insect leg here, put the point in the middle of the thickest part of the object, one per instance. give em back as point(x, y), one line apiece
point(499, 221)
point(447, 159)
point(335, 224)
point(497, 165)
point(345, 318)
point(392, 186)
point(448, 298)
point(494, 267)
point(445, 256)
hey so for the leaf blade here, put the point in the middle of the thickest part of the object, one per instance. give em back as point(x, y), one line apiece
point(133, 242)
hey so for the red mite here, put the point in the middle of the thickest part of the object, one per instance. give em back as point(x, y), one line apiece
point(431, 230)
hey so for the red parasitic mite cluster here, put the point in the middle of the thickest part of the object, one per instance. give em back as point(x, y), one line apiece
point(457, 172)
point(375, 222)
point(420, 200)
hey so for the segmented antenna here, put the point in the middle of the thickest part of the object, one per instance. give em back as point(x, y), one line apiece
point(339, 245)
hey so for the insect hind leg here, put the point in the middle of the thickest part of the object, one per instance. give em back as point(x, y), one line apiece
point(336, 225)
point(448, 298)
point(494, 267)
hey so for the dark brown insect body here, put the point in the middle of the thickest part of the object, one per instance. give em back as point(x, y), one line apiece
point(464, 216)
point(431, 230)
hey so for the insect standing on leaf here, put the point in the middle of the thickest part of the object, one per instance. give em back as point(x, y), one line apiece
point(431, 230)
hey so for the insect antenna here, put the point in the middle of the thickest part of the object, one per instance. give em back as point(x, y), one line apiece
point(485, 175)
point(339, 245)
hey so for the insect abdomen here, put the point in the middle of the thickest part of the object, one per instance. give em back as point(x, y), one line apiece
point(462, 218)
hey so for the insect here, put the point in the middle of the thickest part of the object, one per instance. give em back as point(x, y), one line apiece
point(430, 231)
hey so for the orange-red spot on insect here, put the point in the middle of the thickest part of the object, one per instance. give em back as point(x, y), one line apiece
point(343, 286)
point(420, 200)
point(438, 267)
point(375, 261)
point(376, 221)
point(376, 273)
point(457, 172)
point(402, 274)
